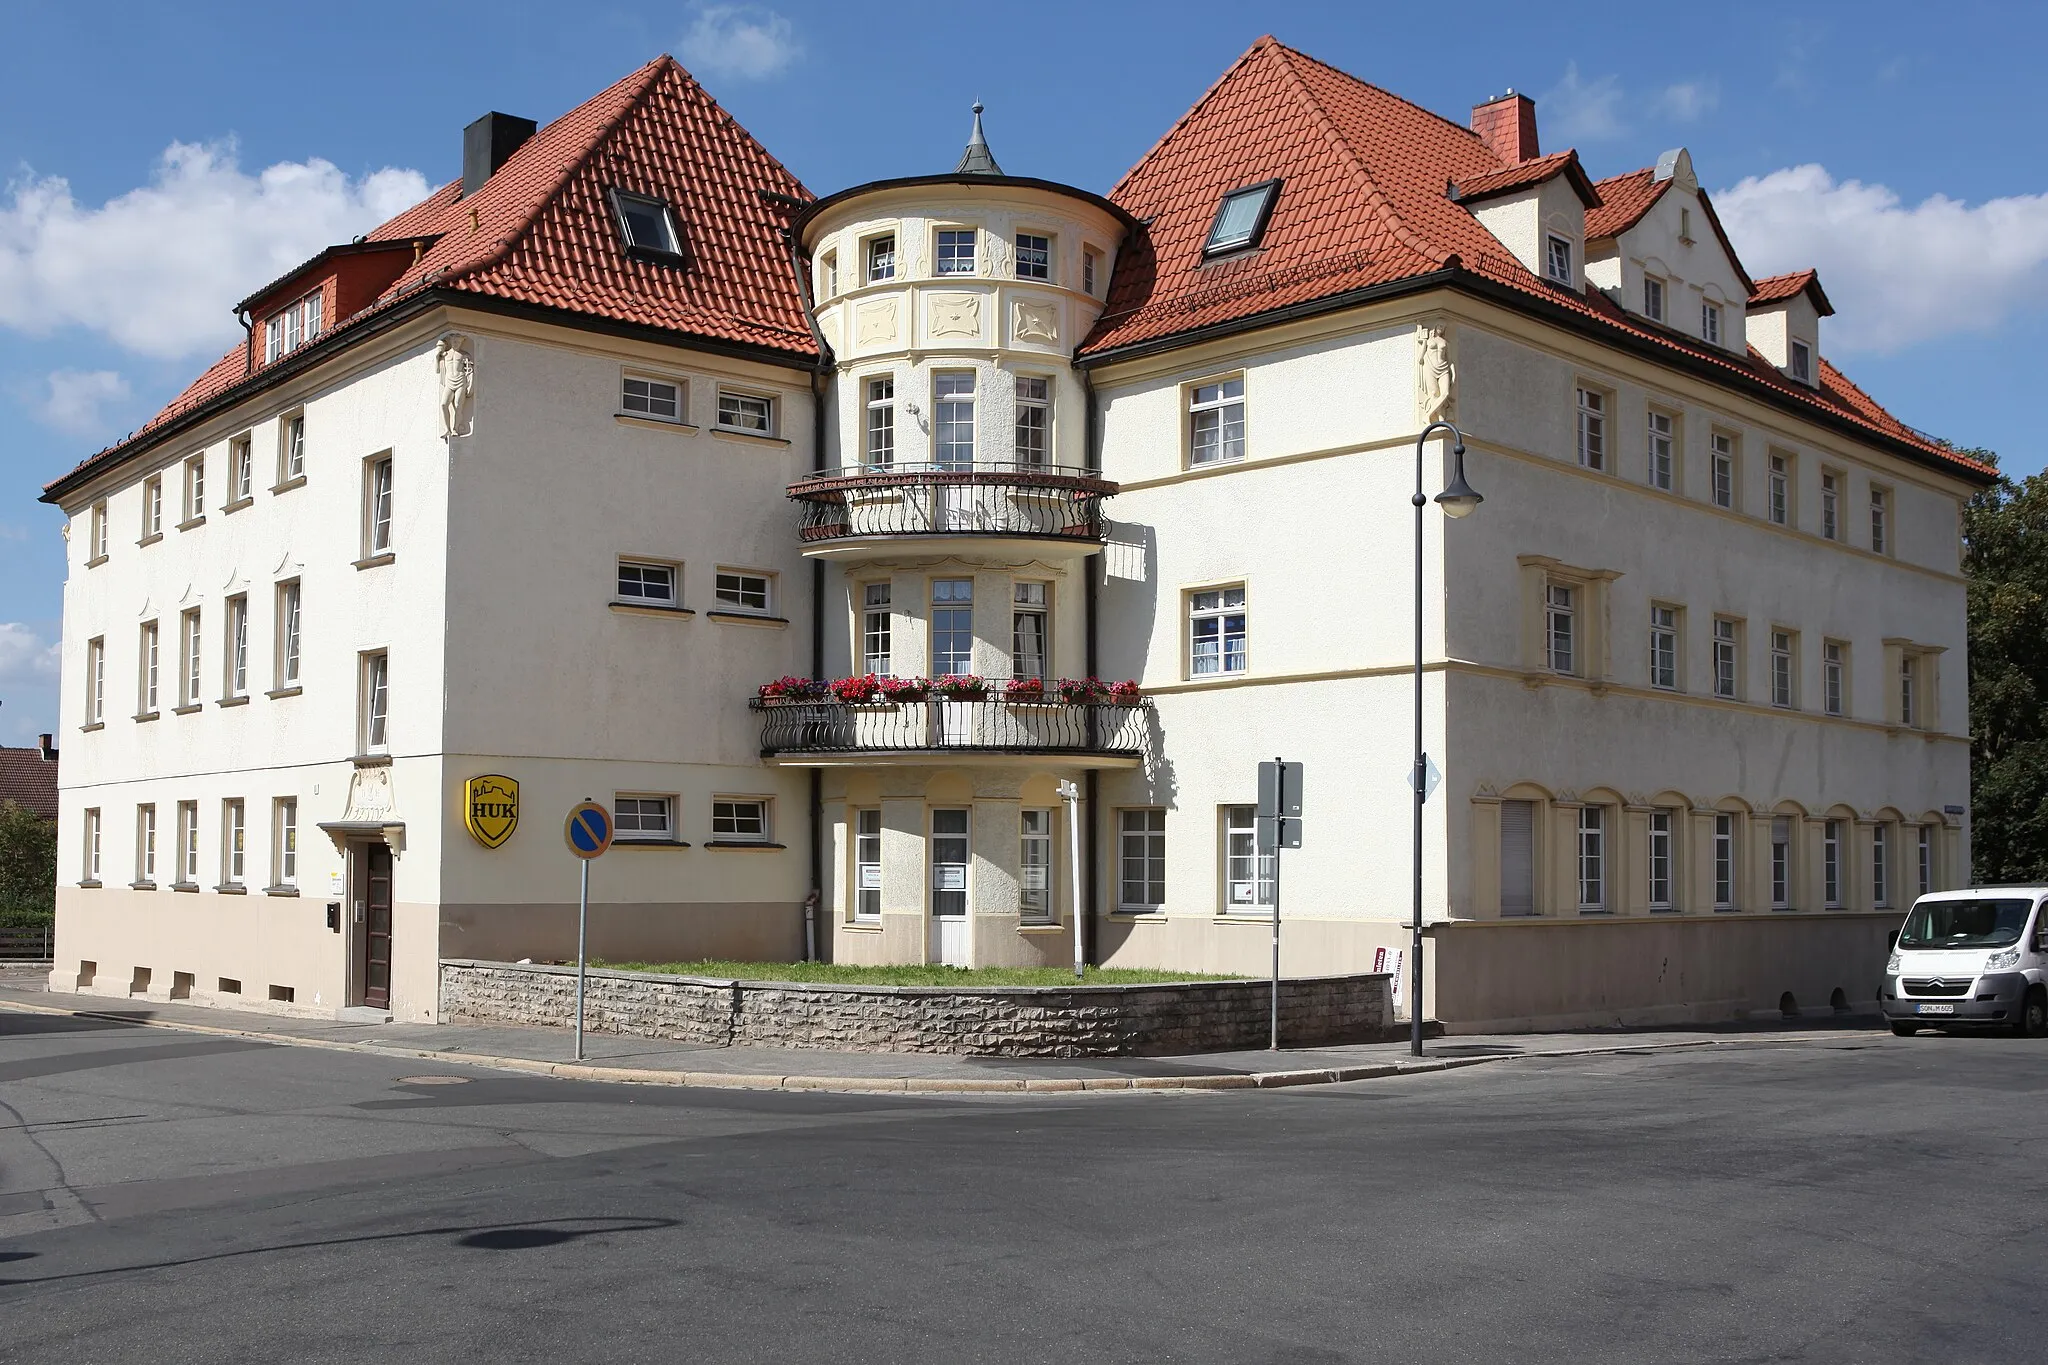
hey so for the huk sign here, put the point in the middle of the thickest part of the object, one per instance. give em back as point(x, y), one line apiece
point(490, 808)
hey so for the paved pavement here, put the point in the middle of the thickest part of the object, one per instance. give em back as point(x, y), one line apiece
point(169, 1196)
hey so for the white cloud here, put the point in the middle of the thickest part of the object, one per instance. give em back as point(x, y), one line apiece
point(157, 269)
point(1688, 101)
point(75, 397)
point(743, 41)
point(1579, 110)
point(28, 682)
point(1899, 274)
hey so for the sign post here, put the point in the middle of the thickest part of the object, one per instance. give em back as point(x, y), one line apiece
point(1277, 823)
point(588, 831)
point(1071, 794)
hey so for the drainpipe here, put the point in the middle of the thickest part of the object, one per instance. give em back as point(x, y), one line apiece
point(1091, 577)
point(821, 385)
point(248, 341)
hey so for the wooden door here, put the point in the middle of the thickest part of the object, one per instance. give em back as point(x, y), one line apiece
point(377, 926)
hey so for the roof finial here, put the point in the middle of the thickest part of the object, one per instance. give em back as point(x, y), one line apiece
point(977, 159)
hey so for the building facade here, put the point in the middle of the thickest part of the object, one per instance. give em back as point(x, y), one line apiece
point(921, 573)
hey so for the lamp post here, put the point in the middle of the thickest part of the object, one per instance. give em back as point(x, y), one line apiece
point(1457, 500)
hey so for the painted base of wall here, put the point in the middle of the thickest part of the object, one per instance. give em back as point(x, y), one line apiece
point(741, 931)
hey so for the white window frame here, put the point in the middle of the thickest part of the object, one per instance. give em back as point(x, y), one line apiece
point(877, 629)
point(1558, 256)
point(737, 409)
point(1561, 653)
point(878, 258)
point(1801, 361)
point(1880, 519)
point(1041, 259)
point(1210, 614)
point(1216, 411)
point(1909, 689)
point(96, 680)
point(152, 507)
point(867, 863)
point(645, 396)
point(1663, 861)
point(234, 842)
point(1653, 298)
point(284, 845)
point(1661, 449)
point(1834, 667)
point(1830, 505)
point(1923, 841)
point(97, 546)
point(187, 853)
point(290, 599)
point(1031, 613)
point(1592, 859)
point(1784, 669)
point(1592, 428)
point(1722, 486)
point(149, 655)
point(828, 274)
point(1831, 840)
point(734, 590)
point(731, 817)
point(955, 897)
point(1141, 848)
point(951, 628)
point(1880, 867)
point(374, 702)
point(1778, 489)
point(635, 582)
point(195, 489)
point(1033, 448)
point(145, 844)
point(644, 817)
point(1664, 647)
point(1727, 658)
point(236, 683)
point(241, 470)
point(1782, 870)
point(191, 635)
point(1725, 880)
point(1248, 876)
point(1038, 853)
point(878, 431)
point(92, 832)
point(1091, 270)
point(947, 262)
point(1710, 323)
point(953, 419)
point(291, 447)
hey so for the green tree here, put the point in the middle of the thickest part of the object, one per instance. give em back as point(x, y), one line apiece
point(28, 866)
point(2005, 554)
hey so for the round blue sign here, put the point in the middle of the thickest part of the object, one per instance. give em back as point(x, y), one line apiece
point(589, 830)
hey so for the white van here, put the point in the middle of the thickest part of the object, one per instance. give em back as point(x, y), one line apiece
point(1978, 956)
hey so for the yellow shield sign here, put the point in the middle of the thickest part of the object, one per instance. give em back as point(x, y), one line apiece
point(490, 808)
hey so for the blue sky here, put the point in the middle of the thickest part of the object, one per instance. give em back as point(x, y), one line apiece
point(161, 160)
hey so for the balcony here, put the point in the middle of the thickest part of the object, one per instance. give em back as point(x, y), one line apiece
point(831, 732)
point(985, 508)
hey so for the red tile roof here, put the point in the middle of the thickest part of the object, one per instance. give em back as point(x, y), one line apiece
point(29, 779)
point(1779, 287)
point(1534, 171)
point(541, 232)
point(1363, 202)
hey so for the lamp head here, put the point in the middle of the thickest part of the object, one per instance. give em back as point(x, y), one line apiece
point(1458, 498)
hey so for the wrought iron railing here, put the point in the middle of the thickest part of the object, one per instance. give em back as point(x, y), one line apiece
point(990, 725)
point(1041, 501)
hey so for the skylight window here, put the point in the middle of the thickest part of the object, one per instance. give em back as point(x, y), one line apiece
point(1241, 218)
point(649, 224)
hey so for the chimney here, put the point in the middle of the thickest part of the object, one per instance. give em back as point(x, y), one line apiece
point(1508, 125)
point(48, 753)
point(488, 144)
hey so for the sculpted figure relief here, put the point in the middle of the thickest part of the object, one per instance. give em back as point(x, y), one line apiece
point(456, 367)
point(1437, 378)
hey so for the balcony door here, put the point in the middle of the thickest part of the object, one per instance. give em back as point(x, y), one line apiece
point(949, 887)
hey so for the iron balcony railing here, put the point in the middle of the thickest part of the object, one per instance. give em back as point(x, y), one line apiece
point(1041, 501)
point(990, 725)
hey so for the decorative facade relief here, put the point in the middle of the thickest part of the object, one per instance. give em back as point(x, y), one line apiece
point(455, 364)
point(956, 315)
point(874, 323)
point(1034, 322)
point(1436, 378)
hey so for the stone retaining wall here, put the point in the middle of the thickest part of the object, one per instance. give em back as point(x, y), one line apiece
point(1001, 1021)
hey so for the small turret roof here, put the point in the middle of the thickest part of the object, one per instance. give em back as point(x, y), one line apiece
point(977, 159)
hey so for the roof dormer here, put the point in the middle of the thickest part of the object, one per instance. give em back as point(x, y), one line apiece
point(1784, 314)
point(1656, 247)
point(1538, 211)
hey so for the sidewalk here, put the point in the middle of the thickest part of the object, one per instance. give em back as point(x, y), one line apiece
point(610, 1057)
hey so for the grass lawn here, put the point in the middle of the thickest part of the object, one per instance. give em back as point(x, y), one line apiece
point(842, 974)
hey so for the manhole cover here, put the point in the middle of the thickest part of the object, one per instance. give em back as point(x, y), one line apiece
point(433, 1080)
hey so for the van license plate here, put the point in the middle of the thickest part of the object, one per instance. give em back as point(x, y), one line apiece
point(1937, 1009)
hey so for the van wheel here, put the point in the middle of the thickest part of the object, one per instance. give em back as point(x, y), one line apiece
point(1902, 1029)
point(2033, 1020)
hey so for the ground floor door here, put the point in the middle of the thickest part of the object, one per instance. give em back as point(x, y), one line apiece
point(949, 858)
point(376, 928)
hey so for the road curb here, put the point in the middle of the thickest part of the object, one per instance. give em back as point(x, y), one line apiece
point(915, 1085)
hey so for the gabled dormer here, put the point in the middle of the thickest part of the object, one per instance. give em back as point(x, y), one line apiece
point(1784, 323)
point(293, 310)
point(1656, 248)
point(1535, 205)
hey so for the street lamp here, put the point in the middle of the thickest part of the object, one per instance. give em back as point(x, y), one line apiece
point(1458, 499)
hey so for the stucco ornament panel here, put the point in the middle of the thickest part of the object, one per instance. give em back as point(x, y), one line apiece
point(1034, 322)
point(1436, 376)
point(455, 366)
point(956, 315)
point(874, 323)
point(995, 253)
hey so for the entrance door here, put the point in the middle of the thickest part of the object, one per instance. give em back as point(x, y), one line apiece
point(377, 926)
point(949, 887)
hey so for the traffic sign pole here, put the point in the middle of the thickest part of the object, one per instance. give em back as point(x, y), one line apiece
point(588, 832)
point(582, 924)
point(1279, 840)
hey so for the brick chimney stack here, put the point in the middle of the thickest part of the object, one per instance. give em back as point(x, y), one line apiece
point(44, 748)
point(1508, 125)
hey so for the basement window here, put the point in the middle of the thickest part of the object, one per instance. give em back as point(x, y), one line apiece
point(648, 224)
point(1241, 218)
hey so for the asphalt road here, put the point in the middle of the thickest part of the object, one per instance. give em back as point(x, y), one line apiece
point(171, 1197)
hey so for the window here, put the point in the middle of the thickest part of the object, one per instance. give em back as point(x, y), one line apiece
point(1831, 864)
point(949, 858)
point(376, 703)
point(1724, 862)
point(1592, 429)
point(736, 590)
point(649, 584)
point(241, 471)
point(292, 328)
point(1880, 867)
point(1880, 521)
point(195, 488)
point(660, 399)
point(1034, 421)
point(97, 547)
point(233, 843)
point(1664, 647)
point(96, 680)
point(92, 844)
point(956, 251)
point(1710, 323)
point(750, 412)
point(1216, 422)
point(876, 627)
point(879, 443)
point(647, 223)
point(1653, 298)
point(288, 634)
point(1909, 690)
point(1660, 458)
point(1783, 674)
point(1216, 631)
point(952, 627)
point(643, 818)
point(1560, 627)
point(1592, 857)
point(149, 656)
point(1032, 639)
point(953, 423)
point(739, 820)
point(188, 672)
point(292, 449)
point(1518, 857)
point(1241, 218)
point(284, 842)
point(1834, 664)
point(867, 864)
point(1778, 505)
point(188, 843)
point(1802, 362)
point(1141, 859)
point(145, 844)
point(1091, 269)
point(1557, 258)
point(828, 274)
point(1781, 863)
point(1247, 877)
point(1724, 469)
point(1830, 505)
point(1034, 866)
point(1924, 841)
point(237, 663)
point(1034, 257)
point(881, 258)
point(153, 507)
point(1660, 860)
point(1727, 658)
